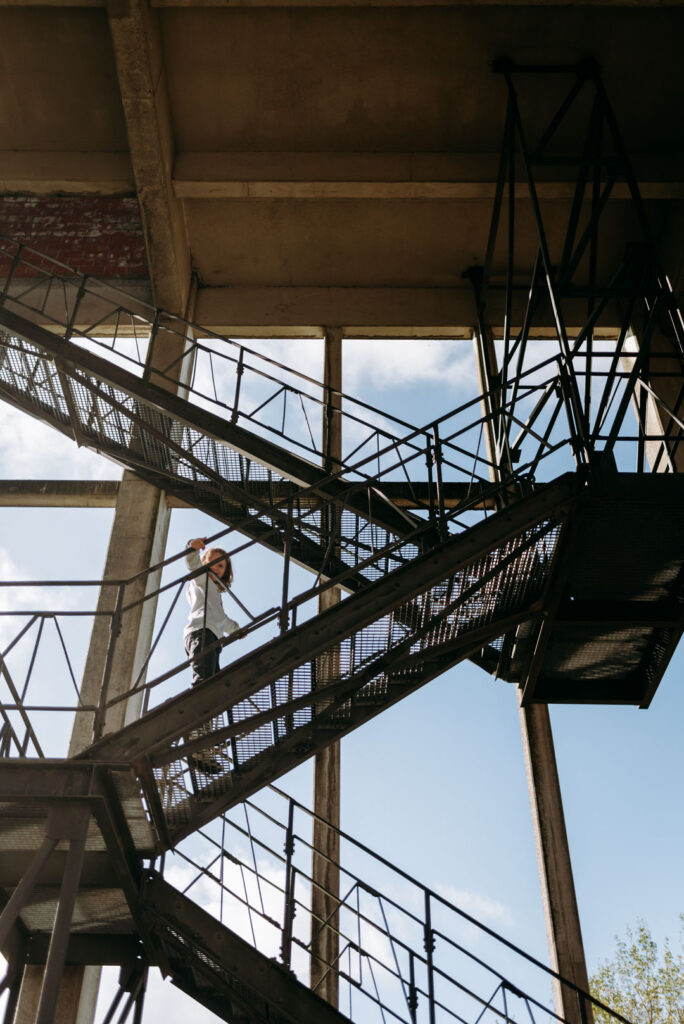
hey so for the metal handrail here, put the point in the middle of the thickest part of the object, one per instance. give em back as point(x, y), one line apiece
point(399, 941)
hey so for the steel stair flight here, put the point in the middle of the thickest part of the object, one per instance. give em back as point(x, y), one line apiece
point(209, 748)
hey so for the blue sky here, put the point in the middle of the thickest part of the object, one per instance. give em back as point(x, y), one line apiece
point(437, 783)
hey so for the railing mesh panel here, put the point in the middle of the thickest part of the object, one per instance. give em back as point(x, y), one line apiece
point(143, 437)
point(477, 597)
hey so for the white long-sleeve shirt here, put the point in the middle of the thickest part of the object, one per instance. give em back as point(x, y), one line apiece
point(202, 592)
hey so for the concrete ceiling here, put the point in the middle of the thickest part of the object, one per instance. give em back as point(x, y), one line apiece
point(327, 164)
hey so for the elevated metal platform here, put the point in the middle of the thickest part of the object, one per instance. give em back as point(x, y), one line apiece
point(614, 611)
point(47, 808)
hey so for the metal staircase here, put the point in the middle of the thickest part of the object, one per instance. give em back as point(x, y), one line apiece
point(274, 707)
point(398, 951)
point(539, 593)
point(220, 970)
point(325, 524)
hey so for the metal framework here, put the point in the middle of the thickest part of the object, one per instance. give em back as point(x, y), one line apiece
point(535, 592)
point(593, 383)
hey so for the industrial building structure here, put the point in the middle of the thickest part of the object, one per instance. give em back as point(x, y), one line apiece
point(180, 173)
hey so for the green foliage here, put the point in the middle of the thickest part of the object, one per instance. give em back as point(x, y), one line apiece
point(638, 983)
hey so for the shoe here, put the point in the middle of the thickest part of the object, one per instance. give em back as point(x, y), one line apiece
point(204, 762)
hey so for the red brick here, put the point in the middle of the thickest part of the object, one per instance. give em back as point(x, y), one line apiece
point(98, 235)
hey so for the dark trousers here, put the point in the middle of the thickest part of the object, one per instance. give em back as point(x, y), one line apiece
point(205, 663)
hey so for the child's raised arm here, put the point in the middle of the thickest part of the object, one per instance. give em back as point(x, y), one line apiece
point(198, 543)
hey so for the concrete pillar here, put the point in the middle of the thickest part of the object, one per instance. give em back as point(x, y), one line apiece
point(325, 873)
point(137, 540)
point(563, 931)
point(665, 361)
point(77, 995)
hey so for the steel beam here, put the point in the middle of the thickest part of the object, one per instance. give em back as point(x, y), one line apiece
point(255, 981)
point(73, 826)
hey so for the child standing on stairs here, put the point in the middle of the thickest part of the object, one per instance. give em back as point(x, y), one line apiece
point(208, 621)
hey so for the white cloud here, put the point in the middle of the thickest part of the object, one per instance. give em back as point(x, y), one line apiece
point(485, 909)
point(33, 449)
point(405, 362)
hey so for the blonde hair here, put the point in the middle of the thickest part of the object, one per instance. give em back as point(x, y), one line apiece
point(213, 555)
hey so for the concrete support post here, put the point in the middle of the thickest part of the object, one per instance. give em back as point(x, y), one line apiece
point(137, 540)
point(325, 873)
point(563, 931)
point(667, 384)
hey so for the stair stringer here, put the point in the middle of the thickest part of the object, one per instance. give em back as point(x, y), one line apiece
point(199, 457)
point(218, 969)
point(408, 627)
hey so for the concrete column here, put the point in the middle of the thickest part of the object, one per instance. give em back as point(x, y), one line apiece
point(325, 873)
point(665, 360)
point(77, 995)
point(137, 540)
point(563, 930)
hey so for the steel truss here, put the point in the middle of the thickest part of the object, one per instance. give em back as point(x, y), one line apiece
point(591, 383)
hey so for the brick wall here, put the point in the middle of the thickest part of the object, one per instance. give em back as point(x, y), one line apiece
point(98, 235)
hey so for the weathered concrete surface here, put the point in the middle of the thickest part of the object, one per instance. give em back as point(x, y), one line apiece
point(327, 763)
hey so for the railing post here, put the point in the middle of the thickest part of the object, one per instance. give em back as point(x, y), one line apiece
point(77, 302)
point(114, 630)
point(437, 458)
point(430, 462)
point(429, 943)
point(289, 907)
point(154, 331)
point(412, 998)
point(239, 370)
point(15, 263)
point(284, 619)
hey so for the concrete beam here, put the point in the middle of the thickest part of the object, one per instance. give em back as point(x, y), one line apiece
point(67, 173)
point(354, 3)
point(419, 175)
point(70, 173)
point(142, 82)
point(104, 494)
point(447, 312)
point(321, 175)
point(58, 493)
point(412, 3)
